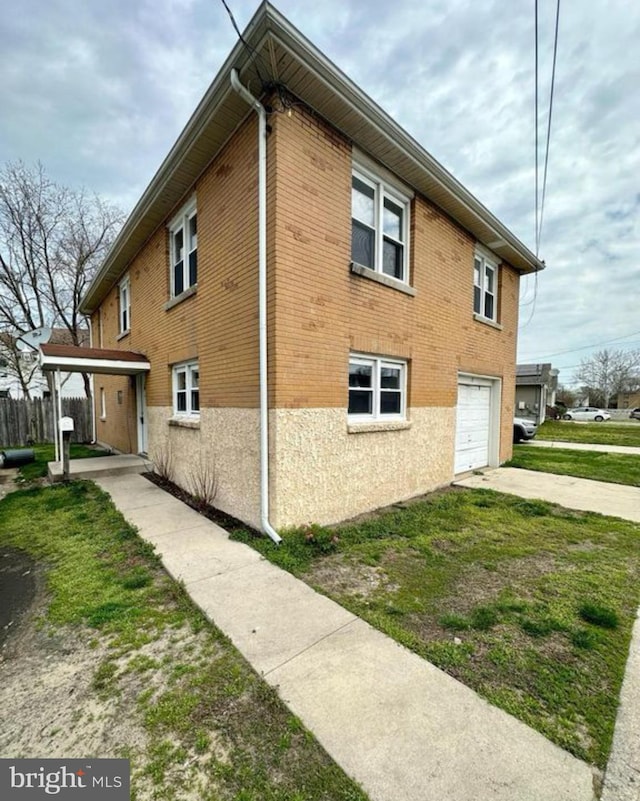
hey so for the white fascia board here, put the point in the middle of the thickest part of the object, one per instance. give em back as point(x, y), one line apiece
point(106, 366)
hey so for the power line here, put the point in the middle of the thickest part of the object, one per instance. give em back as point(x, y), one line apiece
point(251, 50)
point(536, 125)
point(546, 155)
point(586, 347)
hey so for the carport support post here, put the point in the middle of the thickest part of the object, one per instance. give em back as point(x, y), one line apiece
point(57, 414)
point(66, 447)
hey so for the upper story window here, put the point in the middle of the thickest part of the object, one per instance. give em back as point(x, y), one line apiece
point(183, 249)
point(485, 287)
point(377, 388)
point(379, 225)
point(186, 389)
point(124, 305)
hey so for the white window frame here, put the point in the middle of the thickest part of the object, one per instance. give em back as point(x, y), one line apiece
point(187, 369)
point(383, 189)
point(482, 265)
point(124, 305)
point(103, 404)
point(181, 223)
point(377, 363)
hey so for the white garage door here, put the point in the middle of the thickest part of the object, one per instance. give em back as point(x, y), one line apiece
point(472, 426)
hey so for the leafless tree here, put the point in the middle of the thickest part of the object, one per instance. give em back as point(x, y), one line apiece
point(52, 238)
point(608, 372)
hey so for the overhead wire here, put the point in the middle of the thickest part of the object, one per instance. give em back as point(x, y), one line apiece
point(249, 48)
point(593, 345)
point(540, 197)
point(546, 155)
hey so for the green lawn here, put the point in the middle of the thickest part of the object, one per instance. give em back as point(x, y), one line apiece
point(45, 453)
point(528, 603)
point(212, 725)
point(606, 433)
point(613, 467)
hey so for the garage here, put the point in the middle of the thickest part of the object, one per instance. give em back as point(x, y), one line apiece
point(474, 424)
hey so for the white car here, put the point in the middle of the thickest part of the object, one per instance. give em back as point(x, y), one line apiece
point(586, 413)
point(523, 429)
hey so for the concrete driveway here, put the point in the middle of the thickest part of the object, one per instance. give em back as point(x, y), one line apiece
point(584, 494)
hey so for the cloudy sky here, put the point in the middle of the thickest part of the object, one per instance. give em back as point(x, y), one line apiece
point(98, 92)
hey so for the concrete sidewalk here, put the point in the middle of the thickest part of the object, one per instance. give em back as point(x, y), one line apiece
point(396, 724)
point(618, 500)
point(630, 450)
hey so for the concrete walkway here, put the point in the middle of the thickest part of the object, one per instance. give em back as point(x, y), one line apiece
point(618, 500)
point(396, 724)
point(630, 450)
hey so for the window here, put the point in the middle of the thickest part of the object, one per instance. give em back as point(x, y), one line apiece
point(186, 389)
point(103, 404)
point(485, 287)
point(377, 389)
point(183, 249)
point(379, 226)
point(125, 305)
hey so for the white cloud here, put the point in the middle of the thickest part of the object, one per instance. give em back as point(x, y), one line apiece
point(99, 92)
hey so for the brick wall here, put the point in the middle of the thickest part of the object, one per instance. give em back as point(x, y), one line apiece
point(322, 310)
point(217, 325)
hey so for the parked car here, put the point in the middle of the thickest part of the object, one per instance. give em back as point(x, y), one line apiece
point(586, 413)
point(523, 429)
point(634, 414)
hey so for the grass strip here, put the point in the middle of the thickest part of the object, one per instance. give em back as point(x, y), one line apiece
point(615, 468)
point(516, 598)
point(606, 433)
point(213, 726)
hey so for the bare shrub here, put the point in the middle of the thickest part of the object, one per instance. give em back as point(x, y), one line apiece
point(163, 461)
point(202, 480)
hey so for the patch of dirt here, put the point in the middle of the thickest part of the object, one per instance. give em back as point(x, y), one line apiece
point(19, 581)
point(50, 708)
point(336, 574)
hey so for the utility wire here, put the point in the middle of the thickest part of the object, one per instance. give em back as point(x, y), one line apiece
point(251, 50)
point(546, 155)
point(594, 345)
point(536, 126)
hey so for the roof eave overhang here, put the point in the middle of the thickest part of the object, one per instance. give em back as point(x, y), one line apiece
point(105, 366)
point(401, 153)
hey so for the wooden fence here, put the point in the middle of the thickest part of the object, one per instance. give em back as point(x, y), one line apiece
point(23, 422)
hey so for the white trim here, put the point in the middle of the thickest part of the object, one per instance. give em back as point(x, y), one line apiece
point(181, 223)
point(124, 288)
point(141, 412)
point(366, 164)
point(382, 190)
point(486, 263)
point(103, 404)
point(75, 365)
point(494, 383)
point(188, 368)
point(377, 363)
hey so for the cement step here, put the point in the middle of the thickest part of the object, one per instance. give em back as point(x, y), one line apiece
point(98, 466)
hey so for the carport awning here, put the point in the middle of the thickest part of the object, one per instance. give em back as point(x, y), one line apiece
point(73, 359)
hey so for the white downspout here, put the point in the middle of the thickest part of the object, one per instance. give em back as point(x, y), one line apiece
point(92, 389)
point(257, 106)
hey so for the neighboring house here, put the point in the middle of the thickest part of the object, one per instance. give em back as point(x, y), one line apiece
point(536, 389)
point(10, 384)
point(628, 400)
point(390, 303)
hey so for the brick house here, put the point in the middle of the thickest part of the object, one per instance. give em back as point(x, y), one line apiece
point(388, 313)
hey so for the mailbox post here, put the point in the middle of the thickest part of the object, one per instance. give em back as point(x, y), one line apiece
point(66, 429)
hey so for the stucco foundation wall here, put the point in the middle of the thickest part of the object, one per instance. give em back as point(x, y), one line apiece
point(227, 441)
point(322, 473)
